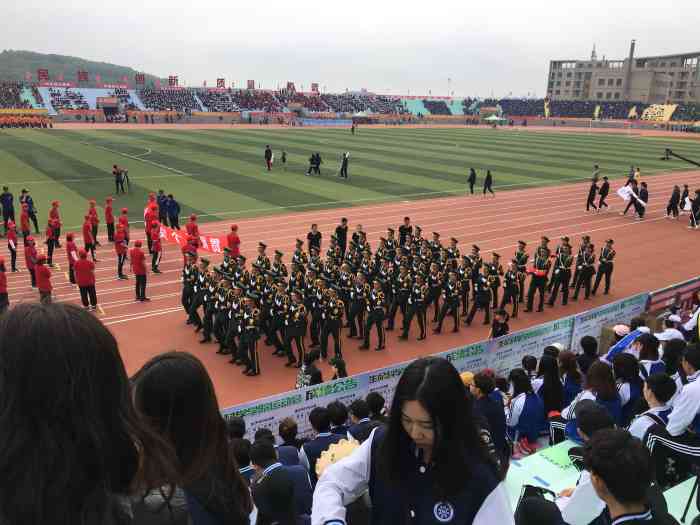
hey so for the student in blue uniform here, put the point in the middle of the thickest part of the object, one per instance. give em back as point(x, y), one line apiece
point(338, 414)
point(525, 413)
point(658, 391)
point(311, 451)
point(649, 361)
point(429, 466)
point(570, 376)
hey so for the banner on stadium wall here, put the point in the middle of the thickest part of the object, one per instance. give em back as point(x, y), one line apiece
point(508, 351)
point(591, 322)
point(23, 111)
point(57, 84)
point(207, 243)
point(112, 85)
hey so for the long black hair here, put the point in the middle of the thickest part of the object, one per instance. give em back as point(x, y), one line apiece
point(70, 437)
point(175, 393)
point(552, 392)
point(520, 381)
point(435, 384)
point(673, 354)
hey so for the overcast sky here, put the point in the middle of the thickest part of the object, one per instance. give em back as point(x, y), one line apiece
point(388, 46)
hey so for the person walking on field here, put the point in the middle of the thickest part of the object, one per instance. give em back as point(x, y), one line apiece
point(673, 204)
point(120, 247)
point(156, 248)
point(471, 180)
point(55, 219)
point(85, 277)
point(590, 203)
point(268, 157)
point(488, 183)
point(72, 253)
point(94, 222)
point(12, 244)
point(138, 267)
point(43, 279)
point(30, 257)
point(603, 192)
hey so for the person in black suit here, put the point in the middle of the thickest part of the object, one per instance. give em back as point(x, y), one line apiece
point(471, 180)
point(603, 192)
point(488, 183)
point(590, 203)
point(341, 235)
point(268, 157)
point(344, 165)
point(640, 203)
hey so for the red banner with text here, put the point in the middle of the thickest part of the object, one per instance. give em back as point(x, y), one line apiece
point(207, 243)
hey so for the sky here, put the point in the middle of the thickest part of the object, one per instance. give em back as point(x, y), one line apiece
point(499, 48)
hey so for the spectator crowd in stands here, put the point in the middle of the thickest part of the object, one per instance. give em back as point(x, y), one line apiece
point(181, 100)
point(687, 113)
point(67, 99)
point(10, 96)
point(437, 107)
point(217, 100)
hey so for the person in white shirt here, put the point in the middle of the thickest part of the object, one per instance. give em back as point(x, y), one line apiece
point(658, 391)
point(678, 443)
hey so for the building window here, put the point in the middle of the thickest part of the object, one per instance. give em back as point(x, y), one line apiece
point(558, 82)
point(559, 74)
point(557, 92)
point(617, 96)
point(608, 95)
point(568, 75)
point(618, 83)
point(601, 81)
point(599, 95)
point(568, 83)
point(610, 81)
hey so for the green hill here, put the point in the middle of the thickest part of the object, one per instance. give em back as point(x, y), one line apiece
point(14, 64)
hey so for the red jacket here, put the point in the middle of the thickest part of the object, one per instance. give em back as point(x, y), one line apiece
point(234, 243)
point(192, 229)
point(43, 278)
point(87, 233)
point(120, 242)
point(3, 282)
point(84, 272)
point(155, 240)
point(109, 215)
point(138, 261)
point(30, 257)
point(150, 217)
point(12, 239)
point(24, 221)
point(72, 251)
point(124, 221)
point(50, 233)
point(53, 214)
point(94, 219)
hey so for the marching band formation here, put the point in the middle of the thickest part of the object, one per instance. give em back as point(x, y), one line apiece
point(362, 290)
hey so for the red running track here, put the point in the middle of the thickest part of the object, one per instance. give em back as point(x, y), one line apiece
point(650, 254)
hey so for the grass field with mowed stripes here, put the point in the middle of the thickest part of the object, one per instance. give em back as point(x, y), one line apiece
point(220, 174)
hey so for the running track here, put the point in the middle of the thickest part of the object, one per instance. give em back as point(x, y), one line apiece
point(650, 254)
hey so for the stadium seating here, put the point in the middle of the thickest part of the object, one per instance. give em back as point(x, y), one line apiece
point(256, 100)
point(169, 100)
point(415, 107)
point(572, 108)
point(67, 98)
point(309, 102)
point(522, 107)
point(11, 96)
point(686, 113)
point(436, 107)
point(215, 100)
point(619, 110)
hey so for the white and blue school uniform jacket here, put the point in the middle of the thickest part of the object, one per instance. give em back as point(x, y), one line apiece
point(630, 394)
point(614, 408)
point(482, 501)
point(653, 416)
point(624, 344)
point(584, 505)
point(571, 389)
point(648, 367)
point(496, 395)
point(525, 417)
point(686, 408)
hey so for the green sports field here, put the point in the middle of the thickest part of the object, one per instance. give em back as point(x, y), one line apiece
point(220, 174)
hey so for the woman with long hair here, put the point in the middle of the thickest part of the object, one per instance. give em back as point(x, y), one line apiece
point(72, 447)
point(548, 386)
point(599, 387)
point(673, 354)
point(427, 466)
point(174, 392)
point(629, 385)
point(525, 415)
point(570, 375)
point(649, 361)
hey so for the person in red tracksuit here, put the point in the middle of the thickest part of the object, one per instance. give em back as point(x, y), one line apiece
point(124, 221)
point(30, 257)
point(51, 241)
point(138, 266)
point(72, 253)
point(191, 247)
point(120, 246)
point(94, 223)
point(156, 247)
point(88, 240)
point(109, 219)
point(55, 219)
point(4, 300)
point(234, 241)
point(43, 279)
point(150, 219)
point(192, 228)
point(12, 244)
point(85, 276)
point(24, 223)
